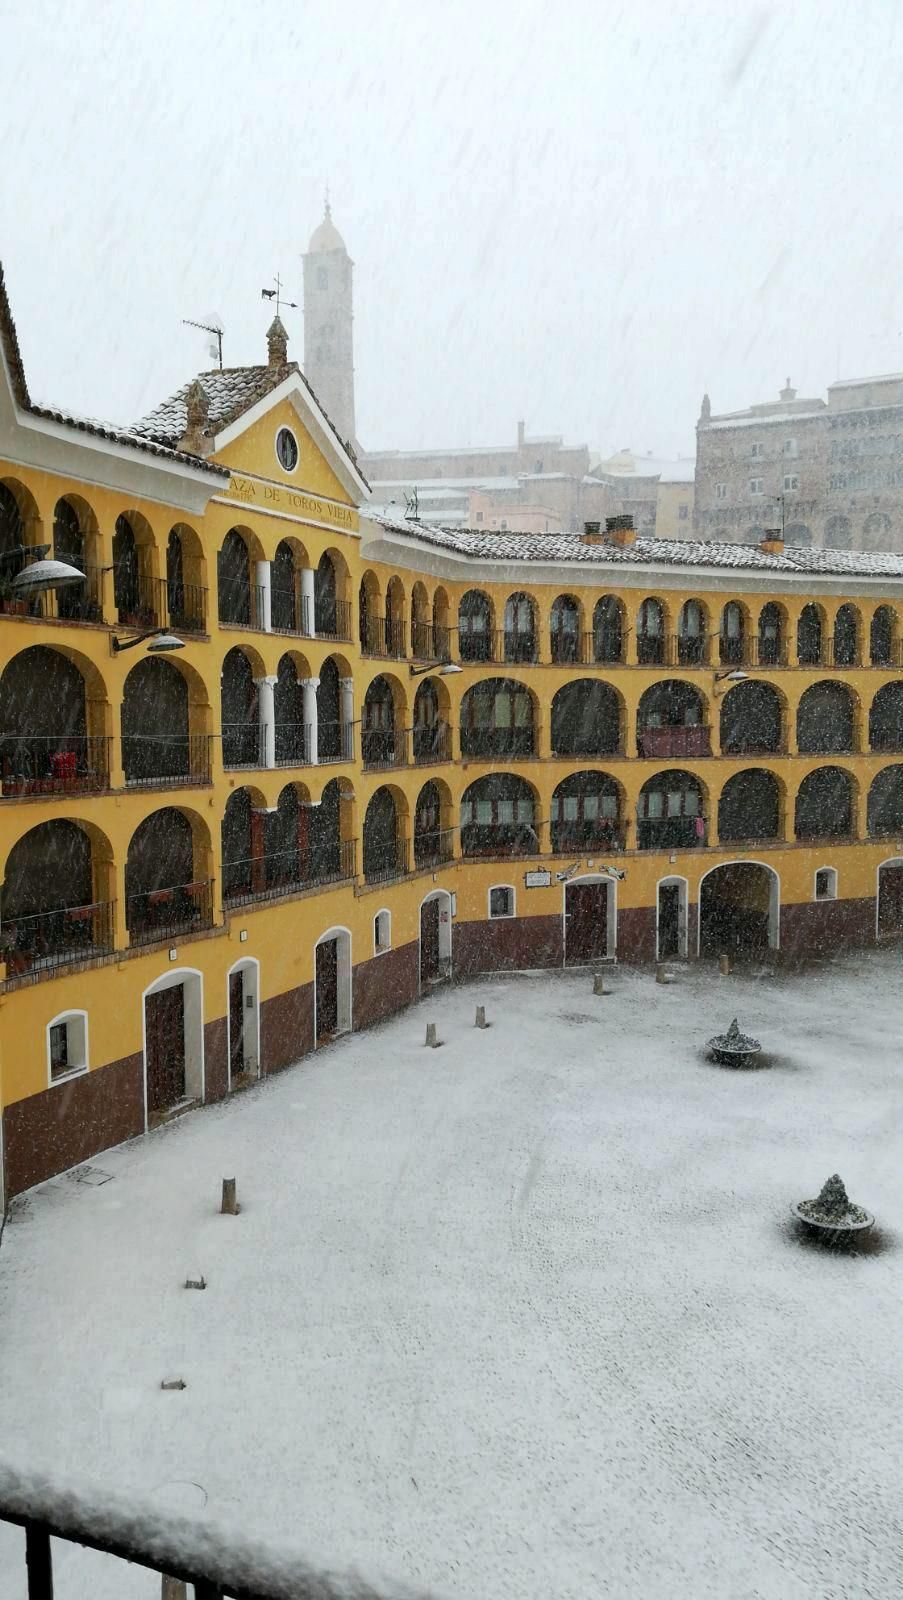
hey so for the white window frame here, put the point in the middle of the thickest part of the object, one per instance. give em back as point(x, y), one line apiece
point(757, 450)
point(81, 1067)
point(289, 471)
point(501, 916)
point(791, 449)
point(721, 491)
point(753, 489)
point(821, 898)
point(791, 482)
point(378, 948)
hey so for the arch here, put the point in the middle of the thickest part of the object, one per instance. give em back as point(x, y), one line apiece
point(134, 590)
point(877, 532)
point(435, 942)
point(884, 811)
point(499, 816)
point(749, 807)
point(589, 919)
point(186, 580)
point(239, 599)
point(587, 813)
point(52, 735)
point(371, 624)
point(173, 1042)
point(847, 629)
point(521, 634)
point(739, 909)
point(672, 918)
point(476, 640)
point(889, 899)
point(498, 719)
point(883, 637)
point(671, 720)
point(588, 718)
point(651, 632)
point(332, 985)
point(237, 843)
point(20, 526)
point(331, 741)
point(432, 824)
point(56, 894)
point(292, 737)
point(243, 1020)
point(382, 723)
point(825, 719)
point(156, 742)
point(564, 627)
point(798, 534)
point(75, 541)
point(609, 630)
point(395, 618)
point(824, 806)
point(809, 635)
point(240, 711)
point(772, 643)
point(383, 844)
point(734, 629)
point(431, 730)
point(671, 811)
point(421, 623)
point(166, 887)
point(329, 849)
point(441, 625)
point(838, 533)
point(752, 718)
point(285, 586)
point(692, 634)
point(886, 718)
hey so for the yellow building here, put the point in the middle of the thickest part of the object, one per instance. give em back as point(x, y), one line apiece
point(270, 767)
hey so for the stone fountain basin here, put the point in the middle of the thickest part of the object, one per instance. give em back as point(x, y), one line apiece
point(732, 1055)
point(847, 1226)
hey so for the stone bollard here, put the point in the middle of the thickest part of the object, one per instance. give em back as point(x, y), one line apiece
point(481, 1018)
point(599, 983)
point(230, 1206)
point(724, 964)
point(662, 975)
point(431, 1040)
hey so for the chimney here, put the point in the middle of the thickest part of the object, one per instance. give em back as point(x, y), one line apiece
point(772, 542)
point(277, 343)
point(592, 533)
point(787, 393)
point(196, 441)
point(521, 431)
point(620, 531)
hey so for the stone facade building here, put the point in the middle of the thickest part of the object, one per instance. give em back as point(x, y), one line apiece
point(829, 471)
point(329, 325)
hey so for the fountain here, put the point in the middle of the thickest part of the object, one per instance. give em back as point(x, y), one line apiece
point(733, 1049)
point(833, 1214)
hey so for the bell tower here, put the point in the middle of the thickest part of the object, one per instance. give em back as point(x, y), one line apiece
point(328, 325)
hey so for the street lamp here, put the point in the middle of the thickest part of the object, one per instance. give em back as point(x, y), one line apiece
point(446, 669)
point(733, 675)
point(41, 575)
point(163, 641)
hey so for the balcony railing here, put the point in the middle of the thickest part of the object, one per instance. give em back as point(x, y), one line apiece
point(890, 655)
point(498, 644)
point(671, 833)
point(332, 619)
point(241, 605)
point(569, 649)
point(432, 744)
point(167, 760)
point(433, 846)
point(283, 872)
point(141, 602)
point(49, 939)
point(598, 650)
point(499, 839)
point(335, 741)
point(243, 745)
point(384, 747)
point(385, 861)
point(163, 913)
point(588, 834)
point(186, 605)
point(430, 642)
point(82, 603)
point(289, 611)
point(333, 863)
point(663, 743)
point(497, 744)
point(380, 636)
point(54, 764)
point(293, 744)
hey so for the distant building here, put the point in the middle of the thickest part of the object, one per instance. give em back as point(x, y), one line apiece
point(328, 325)
point(830, 472)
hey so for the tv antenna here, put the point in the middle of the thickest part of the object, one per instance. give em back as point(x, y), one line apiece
point(276, 294)
point(412, 504)
point(208, 327)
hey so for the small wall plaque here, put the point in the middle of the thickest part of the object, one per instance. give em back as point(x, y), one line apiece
point(537, 880)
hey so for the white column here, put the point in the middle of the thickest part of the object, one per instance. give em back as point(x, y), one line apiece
point(347, 685)
point(309, 687)
point(263, 579)
point(307, 602)
point(266, 715)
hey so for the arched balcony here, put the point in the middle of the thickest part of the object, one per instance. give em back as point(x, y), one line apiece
point(56, 904)
point(19, 528)
point(845, 647)
point(186, 581)
point(265, 853)
point(441, 626)
point(242, 736)
point(498, 817)
point(751, 720)
point(883, 642)
point(158, 745)
point(564, 627)
point(521, 641)
point(75, 541)
point(587, 719)
point(396, 628)
point(809, 636)
point(138, 596)
point(330, 845)
point(609, 631)
point(732, 651)
point(332, 608)
point(240, 599)
point(671, 812)
point(431, 736)
point(294, 728)
point(586, 815)
point(651, 638)
point(421, 624)
point(370, 618)
point(286, 600)
point(497, 721)
point(826, 720)
point(671, 721)
point(692, 634)
point(825, 805)
point(749, 807)
point(383, 735)
point(475, 633)
point(167, 885)
point(885, 804)
point(433, 835)
point(772, 639)
point(886, 718)
point(335, 711)
point(52, 734)
point(385, 848)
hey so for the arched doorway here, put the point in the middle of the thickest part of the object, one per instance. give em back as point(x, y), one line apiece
point(671, 920)
point(173, 1044)
point(889, 908)
point(739, 909)
point(590, 920)
point(244, 1022)
point(332, 985)
point(435, 938)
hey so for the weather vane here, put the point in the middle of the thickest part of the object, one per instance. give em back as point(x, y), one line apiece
point(276, 294)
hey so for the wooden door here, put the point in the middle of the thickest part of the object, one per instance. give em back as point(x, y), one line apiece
point(668, 921)
point(429, 941)
point(327, 989)
point(165, 1031)
point(890, 901)
point(236, 1023)
point(586, 928)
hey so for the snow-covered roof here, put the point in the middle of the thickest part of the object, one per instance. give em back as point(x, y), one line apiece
point(857, 383)
point(746, 419)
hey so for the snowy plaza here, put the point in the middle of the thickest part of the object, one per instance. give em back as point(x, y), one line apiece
point(523, 1315)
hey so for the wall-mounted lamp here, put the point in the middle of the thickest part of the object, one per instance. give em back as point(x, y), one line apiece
point(163, 641)
point(445, 669)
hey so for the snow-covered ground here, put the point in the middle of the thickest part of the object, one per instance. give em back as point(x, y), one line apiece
point(522, 1316)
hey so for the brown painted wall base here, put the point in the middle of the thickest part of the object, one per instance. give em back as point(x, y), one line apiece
point(216, 1059)
point(286, 1028)
point(71, 1122)
point(507, 944)
point(386, 984)
point(636, 934)
point(825, 926)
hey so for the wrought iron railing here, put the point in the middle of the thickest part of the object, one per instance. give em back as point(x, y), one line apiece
point(433, 846)
point(48, 939)
point(430, 642)
point(54, 763)
point(332, 619)
point(385, 861)
point(335, 741)
point(243, 745)
point(167, 760)
point(165, 912)
point(594, 834)
point(384, 747)
point(140, 599)
point(186, 605)
point(596, 649)
point(671, 833)
point(241, 605)
point(497, 744)
point(83, 602)
point(293, 744)
point(432, 744)
point(663, 743)
point(381, 636)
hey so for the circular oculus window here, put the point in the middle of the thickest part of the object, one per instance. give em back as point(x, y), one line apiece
point(286, 449)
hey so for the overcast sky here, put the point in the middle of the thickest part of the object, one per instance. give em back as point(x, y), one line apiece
point(579, 214)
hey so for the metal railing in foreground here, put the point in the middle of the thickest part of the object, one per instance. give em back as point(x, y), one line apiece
point(202, 1554)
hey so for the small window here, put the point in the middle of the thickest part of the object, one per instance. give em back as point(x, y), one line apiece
point(755, 486)
point(757, 450)
point(721, 491)
point(683, 512)
point(286, 449)
point(478, 516)
point(504, 522)
point(501, 902)
point(791, 447)
point(826, 884)
point(67, 1046)
point(791, 480)
point(382, 932)
point(322, 278)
